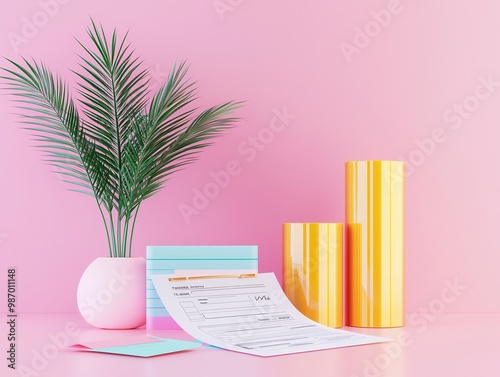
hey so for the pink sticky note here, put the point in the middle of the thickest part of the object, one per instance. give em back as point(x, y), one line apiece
point(116, 342)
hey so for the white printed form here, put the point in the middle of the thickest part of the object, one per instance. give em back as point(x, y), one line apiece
point(249, 314)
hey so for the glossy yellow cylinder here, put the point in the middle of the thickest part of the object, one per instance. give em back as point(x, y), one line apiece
point(312, 270)
point(374, 243)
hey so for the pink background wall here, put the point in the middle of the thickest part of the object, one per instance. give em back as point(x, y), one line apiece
point(352, 97)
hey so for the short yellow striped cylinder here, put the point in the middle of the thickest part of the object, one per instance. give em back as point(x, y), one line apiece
point(312, 270)
point(374, 243)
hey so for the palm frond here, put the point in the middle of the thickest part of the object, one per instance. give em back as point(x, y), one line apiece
point(119, 149)
point(113, 90)
point(52, 117)
point(160, 156)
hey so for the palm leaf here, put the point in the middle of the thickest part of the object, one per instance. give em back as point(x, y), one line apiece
point(113, 94)
point(119, 149)
point(58, 130)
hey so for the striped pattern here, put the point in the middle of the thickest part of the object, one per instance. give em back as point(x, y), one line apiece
point(375, 243)
point(312, 270)
point(191, 261)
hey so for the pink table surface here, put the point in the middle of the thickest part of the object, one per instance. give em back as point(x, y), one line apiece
point(449, 345)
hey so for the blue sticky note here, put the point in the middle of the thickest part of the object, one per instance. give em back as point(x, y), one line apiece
point(150, 349)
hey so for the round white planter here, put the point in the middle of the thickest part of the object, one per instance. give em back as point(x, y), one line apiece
point(112, 293)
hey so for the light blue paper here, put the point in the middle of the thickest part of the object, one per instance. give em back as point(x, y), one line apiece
point(150, 349)
point(167, 260)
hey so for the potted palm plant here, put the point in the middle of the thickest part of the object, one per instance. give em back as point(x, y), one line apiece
point(119, 145)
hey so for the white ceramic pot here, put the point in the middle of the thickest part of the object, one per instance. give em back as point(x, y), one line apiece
point(112, 293)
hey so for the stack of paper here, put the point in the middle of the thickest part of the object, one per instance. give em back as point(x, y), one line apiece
point(189, 261)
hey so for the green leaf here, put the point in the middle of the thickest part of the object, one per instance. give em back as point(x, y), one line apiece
point(120, 146)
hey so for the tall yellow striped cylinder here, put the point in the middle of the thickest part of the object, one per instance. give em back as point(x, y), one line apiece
point(374, 243)
point(312, 270)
